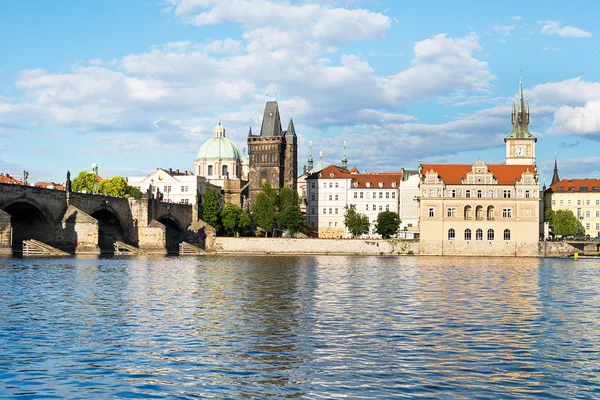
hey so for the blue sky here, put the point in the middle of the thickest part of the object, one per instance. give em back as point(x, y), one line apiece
point(139, 84)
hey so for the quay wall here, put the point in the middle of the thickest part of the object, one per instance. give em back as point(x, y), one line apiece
point(315, 246)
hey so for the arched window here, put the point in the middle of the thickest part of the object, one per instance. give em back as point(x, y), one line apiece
point(490, 213)
point(467, 234)
point(490, 234)
point(210, 170)
point(478, 234)
point(467, 212)
point(479, 213)
point(224, 171)
point(451, 234)
point(507, 234)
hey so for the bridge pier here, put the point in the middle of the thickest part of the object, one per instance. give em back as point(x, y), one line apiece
point(79, 232)
point(5, 234)
point(152, 239)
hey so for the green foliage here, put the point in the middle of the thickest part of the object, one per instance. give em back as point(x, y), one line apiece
point(355, 222)
point(212, 208)
point(387, 223)
point(235, 221)
point(85, 182)
point(290, 216)
point(117, 187)
point(133, 192)
point(264, 209)
point(549, 216)
point(567, 224)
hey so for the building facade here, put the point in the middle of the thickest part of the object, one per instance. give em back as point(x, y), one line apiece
point(273, 154)
point(409, 204)
point(484, 209)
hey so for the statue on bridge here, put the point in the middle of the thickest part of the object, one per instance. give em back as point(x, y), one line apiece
point(68, 182)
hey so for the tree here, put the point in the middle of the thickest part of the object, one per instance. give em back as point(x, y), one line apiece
point(549, 216)
point(355, 222)
point(212, 208)
point(290, 216)
point(133, 192)
point(85, 182)
point(235, 221)
point(567, 224)
point(264, 209)
point(387, 223)
point(117, 187)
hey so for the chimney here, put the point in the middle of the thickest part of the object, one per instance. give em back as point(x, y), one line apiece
point(177, 171)
point(304, 170)
point(170, 171)
point(186, 172)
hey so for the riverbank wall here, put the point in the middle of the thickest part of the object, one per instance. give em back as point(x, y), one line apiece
point(315, 246)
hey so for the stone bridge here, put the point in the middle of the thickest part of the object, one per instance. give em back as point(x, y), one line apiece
point(89, 224)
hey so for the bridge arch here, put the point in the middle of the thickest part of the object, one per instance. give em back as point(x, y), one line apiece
point(175, 233)
point(29, 220)
point(110, 228)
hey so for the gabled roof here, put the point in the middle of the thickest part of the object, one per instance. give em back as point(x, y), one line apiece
point(9, 179)
point(575, 185)
point(384, 178)
point(271, 123)
point(326, 173)
point(453, 173)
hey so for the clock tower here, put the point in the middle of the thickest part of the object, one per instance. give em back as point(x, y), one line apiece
point(520, 144)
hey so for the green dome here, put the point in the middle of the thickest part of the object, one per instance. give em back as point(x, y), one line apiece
point(219, 148)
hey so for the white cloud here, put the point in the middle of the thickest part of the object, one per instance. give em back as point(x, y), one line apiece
point(502, 30)
point(516, 17)
point(577, 120)
point(554, 28)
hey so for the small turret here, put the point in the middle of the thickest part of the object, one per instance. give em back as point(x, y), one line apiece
point(310, 157)
point(344, 158)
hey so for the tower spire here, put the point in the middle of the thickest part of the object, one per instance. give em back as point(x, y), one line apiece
point(555, 178)
point(310, 157)
point(520, 116)
point(344, 158)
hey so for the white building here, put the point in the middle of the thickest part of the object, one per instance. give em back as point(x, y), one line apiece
point(409, 204)
point(330, 190)
point(175, 186)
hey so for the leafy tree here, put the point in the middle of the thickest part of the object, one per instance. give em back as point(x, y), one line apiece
point(85, 182)
point(567, 224)
point(117, 187)
point(264, 209)
point(549, 216)
point(133, 192)
point(212, 208)
point(290, 216)
point(355, 222)
point(235, 220)
point(387, 223)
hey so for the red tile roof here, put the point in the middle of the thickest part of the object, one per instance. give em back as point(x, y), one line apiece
point(9, 179)
point(453, 173)
point(326, 173)
point(590, 185)
point(335, 172)
point(50, 185)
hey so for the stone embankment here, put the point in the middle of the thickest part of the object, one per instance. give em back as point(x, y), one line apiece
point(315, 246)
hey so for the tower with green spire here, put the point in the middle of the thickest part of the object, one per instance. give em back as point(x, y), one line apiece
point(344, 158)
point(520, 143)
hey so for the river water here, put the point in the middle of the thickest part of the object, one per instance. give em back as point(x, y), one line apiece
point(300, 327)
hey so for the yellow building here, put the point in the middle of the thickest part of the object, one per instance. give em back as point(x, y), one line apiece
point(484, 209)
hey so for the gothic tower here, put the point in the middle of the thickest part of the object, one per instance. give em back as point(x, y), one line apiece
point(273, 154)
point(520, 144)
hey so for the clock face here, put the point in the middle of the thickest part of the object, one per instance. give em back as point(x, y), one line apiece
point(520, 151)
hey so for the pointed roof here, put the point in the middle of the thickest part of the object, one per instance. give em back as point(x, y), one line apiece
point(555, 178)
point(250, 131)
point(271, 123)
point(520, 118)
point(291, 131)
point(453, 174)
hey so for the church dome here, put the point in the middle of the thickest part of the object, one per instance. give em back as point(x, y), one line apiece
point(219, 148)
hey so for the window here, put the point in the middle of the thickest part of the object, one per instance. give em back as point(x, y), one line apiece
point(598, 202)
point(312, 185)
point(185, 189)
point(597, 226)
point(453, 193)
point(506, 194)
point(431, 212)
point(595, 189)
point(312, 223)
point(491, 193)
point(361, 195)
point(527, 195)
point(337, 184)
point(367, 207)
point(387, 207)
point(507, 234)
point(335, 224)
point(578, 202)
point(467, 234)
point(478, 234)
point(374, 207)
point(380, 207)
point(587, 226)
point(571, 188)
point(312, 210)
point(387, 195)
point(224, 170)
point(324, 211)
point(336, 210)
point(355, 195)
point(330, 211)
point(490, 234)
point(167, 189)
point(479, 193)
point(587, 202)
point(467, 212)
point(507, 212)
point(597, 214)
point(451, 234)
point(431, 193)
point(562, 202)
point(330, 197)
point(583, 188)
point(312, 197)
point(468, 193)
point(553, 202)
point(569, 202)
point(452, 212)
point(330, 184)
point(381, 195)
point(210, 170)
point(336, 197)
point(393, 195)
point(587, 214)
point(330, 224)
point(424, 193)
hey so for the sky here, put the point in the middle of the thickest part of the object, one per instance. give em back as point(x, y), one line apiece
point(140, 84)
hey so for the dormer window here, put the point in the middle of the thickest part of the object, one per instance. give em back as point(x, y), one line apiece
point(560, 189)
point(355, 184)
point(331, 175)
point(380, 184)
point(571, 188)
point(393, 184)
point(368, 184)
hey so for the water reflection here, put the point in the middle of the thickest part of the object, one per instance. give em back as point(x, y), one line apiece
point(257, 327)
